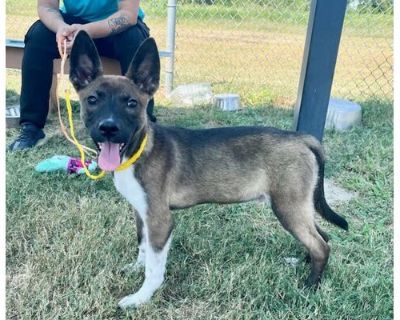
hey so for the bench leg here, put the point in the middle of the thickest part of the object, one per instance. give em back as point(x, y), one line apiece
point(53, 95)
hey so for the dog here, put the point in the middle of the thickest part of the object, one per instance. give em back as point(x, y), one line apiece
point(180, 168)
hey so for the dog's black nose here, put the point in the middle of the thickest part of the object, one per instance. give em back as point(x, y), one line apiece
point(108, 128)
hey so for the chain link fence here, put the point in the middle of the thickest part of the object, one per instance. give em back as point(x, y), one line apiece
point(255, 47)
point(365, 61)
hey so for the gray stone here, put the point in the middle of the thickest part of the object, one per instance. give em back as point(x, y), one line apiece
point(335, 194)
point(342, 115)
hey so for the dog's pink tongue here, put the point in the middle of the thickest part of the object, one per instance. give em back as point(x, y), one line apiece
point(109, 158)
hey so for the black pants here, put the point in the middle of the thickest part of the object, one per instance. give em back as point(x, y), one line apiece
point(41, 50)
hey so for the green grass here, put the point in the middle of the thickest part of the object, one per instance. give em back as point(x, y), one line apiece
point(68, 237)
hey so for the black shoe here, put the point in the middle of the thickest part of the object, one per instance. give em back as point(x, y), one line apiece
point(28, 137)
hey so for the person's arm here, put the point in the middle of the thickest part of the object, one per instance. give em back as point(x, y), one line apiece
point(125, 17)
point(49, 14)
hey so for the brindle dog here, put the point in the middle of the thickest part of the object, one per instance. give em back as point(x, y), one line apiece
point(180, 168)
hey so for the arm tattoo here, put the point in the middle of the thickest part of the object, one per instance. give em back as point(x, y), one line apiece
point(118, 24)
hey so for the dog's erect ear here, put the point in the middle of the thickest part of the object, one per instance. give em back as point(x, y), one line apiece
point(85, 64)
point(145, 67)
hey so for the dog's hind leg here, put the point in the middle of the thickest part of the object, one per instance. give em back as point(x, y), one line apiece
point(298, 218)
point(324, 236)
point(157, 229)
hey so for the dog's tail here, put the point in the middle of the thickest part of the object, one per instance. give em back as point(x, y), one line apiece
point(321, 206)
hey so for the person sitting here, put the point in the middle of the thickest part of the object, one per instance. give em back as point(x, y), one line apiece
point(117, 28)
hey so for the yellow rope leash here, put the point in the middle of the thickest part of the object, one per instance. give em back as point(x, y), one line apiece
point(78, 145)
point(123, 166)
point(64, 55)
point(135, 157)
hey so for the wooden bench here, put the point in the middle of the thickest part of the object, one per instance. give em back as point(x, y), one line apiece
point(15, 51)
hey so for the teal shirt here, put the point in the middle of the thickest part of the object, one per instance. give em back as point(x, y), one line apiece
point(92, 10)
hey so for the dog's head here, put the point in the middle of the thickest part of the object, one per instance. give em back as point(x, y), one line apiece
point(113, 108)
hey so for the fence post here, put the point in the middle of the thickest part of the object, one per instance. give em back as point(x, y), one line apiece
point(319, 60)
point(169, 67)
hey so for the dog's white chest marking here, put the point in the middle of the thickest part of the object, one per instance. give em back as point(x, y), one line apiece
point(130, 188)
point(155, 262)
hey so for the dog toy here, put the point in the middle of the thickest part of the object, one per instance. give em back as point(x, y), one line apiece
point(65, 163)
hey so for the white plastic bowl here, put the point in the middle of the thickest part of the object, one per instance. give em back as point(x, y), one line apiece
point(227, 101)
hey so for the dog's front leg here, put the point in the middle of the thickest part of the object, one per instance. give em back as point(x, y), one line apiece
point(157, 232)
point(140, 260)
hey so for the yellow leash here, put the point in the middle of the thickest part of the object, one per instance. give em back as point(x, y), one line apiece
point(75, 141)
point(135, 157)
point(123, 166)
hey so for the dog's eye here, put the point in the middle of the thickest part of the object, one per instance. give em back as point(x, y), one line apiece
point(92, 100)
point(132, 103)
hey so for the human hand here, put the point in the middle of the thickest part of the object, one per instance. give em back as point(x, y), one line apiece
point(64, 38)
point(66, 35)
point(75, 28)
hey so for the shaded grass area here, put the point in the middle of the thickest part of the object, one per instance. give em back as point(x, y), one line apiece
point(68, 237)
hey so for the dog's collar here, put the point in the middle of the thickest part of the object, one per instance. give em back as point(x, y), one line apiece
point(135, 157)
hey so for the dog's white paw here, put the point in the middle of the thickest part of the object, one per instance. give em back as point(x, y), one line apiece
point(132, 267)
point(132, 301)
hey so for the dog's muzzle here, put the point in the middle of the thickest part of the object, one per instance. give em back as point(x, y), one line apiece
point(111, 146)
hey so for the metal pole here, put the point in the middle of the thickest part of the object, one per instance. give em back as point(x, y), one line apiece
point(319, 60)
point(171, 24)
